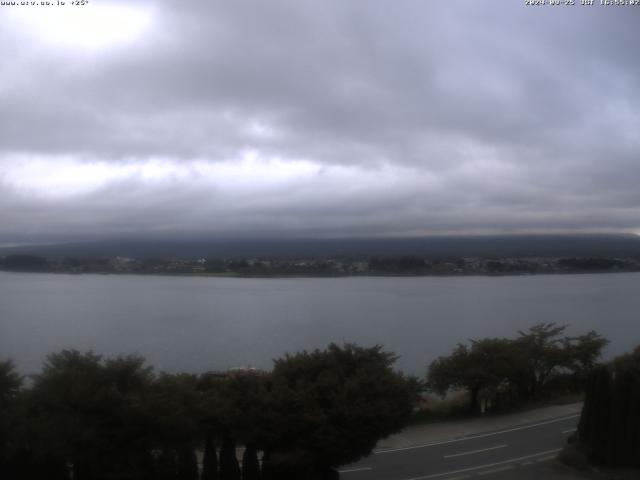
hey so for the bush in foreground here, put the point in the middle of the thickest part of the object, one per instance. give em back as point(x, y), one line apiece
point(609, 426)
point(102, 419)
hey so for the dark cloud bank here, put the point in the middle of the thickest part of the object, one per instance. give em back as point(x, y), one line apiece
point(323, 119)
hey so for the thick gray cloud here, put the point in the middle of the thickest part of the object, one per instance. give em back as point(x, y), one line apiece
point(318, 118)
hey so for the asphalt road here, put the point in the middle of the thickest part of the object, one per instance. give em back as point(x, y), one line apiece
point(498, 454)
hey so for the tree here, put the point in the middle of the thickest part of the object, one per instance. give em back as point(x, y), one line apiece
point(583, 352)
point(210, 458)
point(329, 407)
point(70, 404)
point(166, 465)
point(240, 404)
point(187, 464)
point(17, 459)
point(545, 353)
point(174, 404)
point(93, 414)
point(234, 408)
point(626, 410)
point(229, 467)
point(609, 426)
point(500, 370)
point(487, 365)
point(250, 463)
point(445, 372)
point(10, 384)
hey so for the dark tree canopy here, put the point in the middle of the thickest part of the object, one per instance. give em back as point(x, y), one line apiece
point(496, 368)
point(250, 463)
point(229, 466)
point(609, 427)
point(10, 383)
point(487, 364)
point(98, 418)
point(209, 458)
point(92, 412)
point(330, 407)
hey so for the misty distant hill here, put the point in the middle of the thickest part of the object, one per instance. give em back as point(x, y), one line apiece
point(484, 246)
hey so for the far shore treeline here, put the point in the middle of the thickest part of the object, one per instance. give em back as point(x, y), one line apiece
point(321, 266)
point(88, 417)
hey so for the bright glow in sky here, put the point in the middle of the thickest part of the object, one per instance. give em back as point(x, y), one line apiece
point(67, 177)
point(327, 118)
point(90, 27)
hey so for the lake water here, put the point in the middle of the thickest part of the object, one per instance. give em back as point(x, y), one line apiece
point(198, 324)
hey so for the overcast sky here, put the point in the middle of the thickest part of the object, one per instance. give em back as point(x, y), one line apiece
point(324, 118)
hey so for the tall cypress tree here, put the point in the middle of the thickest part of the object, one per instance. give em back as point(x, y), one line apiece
point(166, 465)
point(626, 418)
point(229, 467)
point(617, 441)
point(602, 414)
point(210, 458)
point(267, 467)
point(610, 421)
point(187, 464)
point(250, 463)
point(634, 421)
point(585, 425)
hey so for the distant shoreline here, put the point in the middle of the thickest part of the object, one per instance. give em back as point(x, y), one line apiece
point(322, 267)
point(324, 276)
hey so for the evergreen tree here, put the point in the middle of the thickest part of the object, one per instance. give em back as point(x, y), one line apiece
point(229, 467)
point(602, 418)
point(634, 422)
point(627, 409)
point(250, 464)
point(187, 464)
point(610, 422)
point(166, 465)
point(266, 471)
point(585, 424)
point(616, 438)
point(210, 459)
point(10, 384)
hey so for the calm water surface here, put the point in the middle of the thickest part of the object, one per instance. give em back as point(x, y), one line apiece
point(197, 324)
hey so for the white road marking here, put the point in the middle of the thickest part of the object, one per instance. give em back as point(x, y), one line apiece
point(545, 459)
point(475, 451)
point(496, 470)
point(473, 437)
point(571, 430)
point(488, 465)
point(350, 470)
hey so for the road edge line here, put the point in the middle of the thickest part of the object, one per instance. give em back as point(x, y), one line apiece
point(473, 437)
